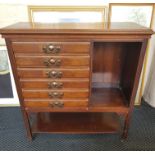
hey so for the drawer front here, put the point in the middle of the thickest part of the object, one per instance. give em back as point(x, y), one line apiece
point(51, 47)
point(53, 73)
point(54, 84)
point(52, 61)
point(56, 104)
point(57, 94)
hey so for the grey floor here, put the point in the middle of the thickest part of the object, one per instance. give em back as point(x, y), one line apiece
point(141, 135)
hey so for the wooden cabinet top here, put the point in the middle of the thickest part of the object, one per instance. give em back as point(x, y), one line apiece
point(76, 28)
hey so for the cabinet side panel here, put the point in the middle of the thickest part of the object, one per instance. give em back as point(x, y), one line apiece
point(19, 91)
point(132, 56)
point(130, 68)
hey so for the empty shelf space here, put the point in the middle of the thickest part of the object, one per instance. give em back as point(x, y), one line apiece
point(76, 123)
point(108, 99)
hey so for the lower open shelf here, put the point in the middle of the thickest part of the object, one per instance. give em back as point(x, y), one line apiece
point(76, 123)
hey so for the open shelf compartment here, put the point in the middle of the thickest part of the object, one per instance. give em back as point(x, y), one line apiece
point(104, 98)
point(114, 67)
point(75, 123)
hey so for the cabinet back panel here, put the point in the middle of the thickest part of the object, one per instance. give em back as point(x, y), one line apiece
point(108, 58)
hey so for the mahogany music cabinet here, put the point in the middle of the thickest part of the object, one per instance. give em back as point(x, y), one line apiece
point(76, 78)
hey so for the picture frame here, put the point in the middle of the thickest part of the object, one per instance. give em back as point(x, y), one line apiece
point(67, 14)
point(141, 13)
point(132, 12)
point(6, 75)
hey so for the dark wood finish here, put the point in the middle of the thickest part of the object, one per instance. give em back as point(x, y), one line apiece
point(76, 123)
point(24, 113)
point(47, 103)
point(118, 28)
point(93, 74)
point(130, 67)
point(108, 97)
point(135, 87)
point(44, 83)
point(42, 73)
point(115, 67)
point(107, 63)
point(44, 61)
point(45, 93)
point(37, 47)
point(85, 109)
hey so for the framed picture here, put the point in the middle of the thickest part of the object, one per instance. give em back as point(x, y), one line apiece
point(73, 14)
point(8, 93)
point(140, 13)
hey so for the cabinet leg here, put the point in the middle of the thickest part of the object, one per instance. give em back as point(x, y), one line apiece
point(27, 124)
point(126, 127)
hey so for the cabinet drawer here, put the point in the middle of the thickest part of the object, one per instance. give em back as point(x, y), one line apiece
point(51, 47)
point(49, 61)
point(55, 94)
point(55, 104)
point(53, 73)
point(54, 84)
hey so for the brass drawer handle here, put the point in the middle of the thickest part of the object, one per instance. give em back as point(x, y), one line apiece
point(54, 74)
point(56, 94)
point(51, 49)
point(56, 104)
point(56, 85)
point(52, 62)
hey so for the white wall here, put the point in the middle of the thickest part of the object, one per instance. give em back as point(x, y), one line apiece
point(12, 13)
point(72, 2)
point(149, 91)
